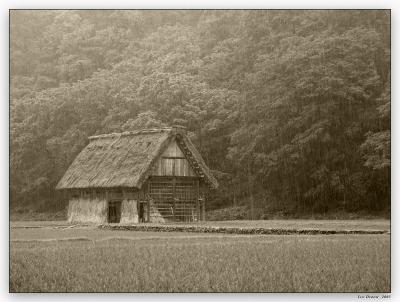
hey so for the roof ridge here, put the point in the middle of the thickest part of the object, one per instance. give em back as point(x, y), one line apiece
point(130, 133)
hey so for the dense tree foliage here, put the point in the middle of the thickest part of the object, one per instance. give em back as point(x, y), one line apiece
point(290, 108)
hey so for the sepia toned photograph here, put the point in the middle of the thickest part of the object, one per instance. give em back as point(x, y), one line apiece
point(200, 151)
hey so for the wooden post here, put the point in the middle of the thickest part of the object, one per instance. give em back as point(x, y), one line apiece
point(250, 190)
point(107, 214)
point(202, 204)
point(198, 215)
point(203, 212)
point(148, 210)
point(173, 197)
point(148, 204)
point(124, 199)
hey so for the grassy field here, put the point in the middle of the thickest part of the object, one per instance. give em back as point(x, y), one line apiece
point(372, 224)
point(86, 259)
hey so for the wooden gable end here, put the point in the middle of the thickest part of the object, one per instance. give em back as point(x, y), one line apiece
point(173, 162)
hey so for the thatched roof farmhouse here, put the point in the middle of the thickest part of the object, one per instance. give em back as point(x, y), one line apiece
point(151, 175)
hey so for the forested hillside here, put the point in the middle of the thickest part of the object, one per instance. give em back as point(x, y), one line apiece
point(291, 109)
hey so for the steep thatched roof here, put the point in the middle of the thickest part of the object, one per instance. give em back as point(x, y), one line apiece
point(125, 159)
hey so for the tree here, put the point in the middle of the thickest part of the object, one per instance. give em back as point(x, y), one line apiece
point(293, 105)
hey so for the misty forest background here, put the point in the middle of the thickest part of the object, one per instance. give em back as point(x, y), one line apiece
point(291, 109)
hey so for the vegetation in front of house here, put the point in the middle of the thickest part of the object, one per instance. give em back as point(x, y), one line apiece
point(48, 228)
point(291, 109)
point(244, 213)
point(61, 257)
point(337, 263)
point(235, 230)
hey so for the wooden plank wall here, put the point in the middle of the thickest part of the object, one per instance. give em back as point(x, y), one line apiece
point(173, 163)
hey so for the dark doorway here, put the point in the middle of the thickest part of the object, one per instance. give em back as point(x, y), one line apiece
point(114, 211)
point(141, 212)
